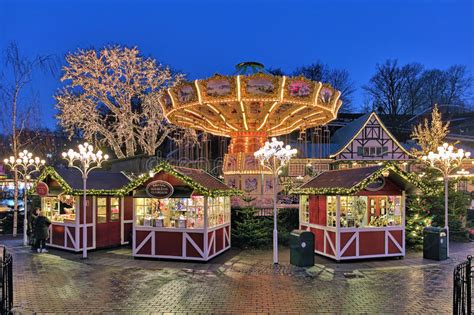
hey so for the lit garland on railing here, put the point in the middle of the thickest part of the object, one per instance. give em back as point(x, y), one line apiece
point(410, 177)
point(140, 180)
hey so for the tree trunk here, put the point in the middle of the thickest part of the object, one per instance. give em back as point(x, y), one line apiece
point(15, 154)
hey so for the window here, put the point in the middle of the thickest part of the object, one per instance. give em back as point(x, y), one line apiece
point(353, 211)
point(363, 211)
point(114, 209)
point(304, 208)
point(372, 151)
point(331, 210)
point(218, 210)
point(60, 209)
point(181, 212)
point(101, 210)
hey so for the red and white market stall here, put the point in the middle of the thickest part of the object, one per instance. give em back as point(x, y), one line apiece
point(180, 213)
point(108, 213)
point(356, 213)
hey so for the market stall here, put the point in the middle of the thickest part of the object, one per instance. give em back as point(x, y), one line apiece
point(356, 213)
point(180, 213)
point(108, 214)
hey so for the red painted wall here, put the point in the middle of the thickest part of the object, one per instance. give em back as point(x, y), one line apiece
point(372, 243)
point(317, 209)
point(128, 208)
point(390, 189)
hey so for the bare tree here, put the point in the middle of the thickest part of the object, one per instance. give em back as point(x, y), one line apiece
point(104, 99)
point(338, 78)
point(412, 97)
point(386, 88)
point(19, 105)
point(410, 89)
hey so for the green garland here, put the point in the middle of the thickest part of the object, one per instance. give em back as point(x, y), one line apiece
point(164, 166)
point(50, 171)
point(410, 177)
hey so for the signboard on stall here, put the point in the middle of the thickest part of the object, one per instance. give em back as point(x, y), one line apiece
point(42, 189)
point(376, 185)
point(159, 189)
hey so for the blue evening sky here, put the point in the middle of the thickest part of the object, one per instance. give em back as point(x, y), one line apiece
point(204, 37)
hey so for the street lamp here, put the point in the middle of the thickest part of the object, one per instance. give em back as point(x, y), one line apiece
point(87, 161)
point(446, 160)
point(274, 156)
point(24, 166)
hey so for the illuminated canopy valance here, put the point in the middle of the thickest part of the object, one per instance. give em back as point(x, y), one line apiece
point(260, 102)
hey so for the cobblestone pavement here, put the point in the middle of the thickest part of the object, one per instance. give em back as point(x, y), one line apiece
point(235, 282)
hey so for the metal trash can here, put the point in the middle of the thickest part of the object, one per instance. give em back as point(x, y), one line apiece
point(435, 243)
point(302, 248)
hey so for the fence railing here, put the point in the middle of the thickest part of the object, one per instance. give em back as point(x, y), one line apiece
point(6, 279)
point(462, 287)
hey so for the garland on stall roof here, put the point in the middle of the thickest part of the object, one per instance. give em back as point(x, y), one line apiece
point(50, 171)
point(166, 167)
point(410, 177)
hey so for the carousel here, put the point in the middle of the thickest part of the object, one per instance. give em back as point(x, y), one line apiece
point(249, 107)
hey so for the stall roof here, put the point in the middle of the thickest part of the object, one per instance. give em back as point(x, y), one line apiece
point(350, 181)
point(98, 182)
point(202, 177)
point(199, 180)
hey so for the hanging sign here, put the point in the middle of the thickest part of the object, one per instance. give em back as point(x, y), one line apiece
point(42, 189)
point(376, 185)
point(159, 189)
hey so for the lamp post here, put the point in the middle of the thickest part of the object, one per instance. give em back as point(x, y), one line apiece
point(446, 160)
point(87, 161)
point(24, 166)
point(274, 156)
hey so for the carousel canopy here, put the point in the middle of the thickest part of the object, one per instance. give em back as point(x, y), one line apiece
point(250, 101)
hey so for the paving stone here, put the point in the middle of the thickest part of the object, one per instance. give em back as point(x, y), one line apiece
point(246, 282)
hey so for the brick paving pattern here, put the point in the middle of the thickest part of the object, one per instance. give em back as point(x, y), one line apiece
point(236, 282)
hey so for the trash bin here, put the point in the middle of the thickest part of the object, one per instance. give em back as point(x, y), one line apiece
point(435, 244)
point(302, 248)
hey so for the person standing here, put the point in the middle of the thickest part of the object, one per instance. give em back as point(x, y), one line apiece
point(41, 231)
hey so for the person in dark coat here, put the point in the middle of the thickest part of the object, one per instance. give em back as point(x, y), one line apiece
point(41, 231)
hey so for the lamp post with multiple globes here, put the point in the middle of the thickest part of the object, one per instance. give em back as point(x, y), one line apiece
point(86, 161)
point(274, 156)
point(446, 160)
point(24, 165)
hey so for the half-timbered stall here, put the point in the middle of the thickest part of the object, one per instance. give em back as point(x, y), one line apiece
point(180, 213)
point(356, 213)
point(108, 214)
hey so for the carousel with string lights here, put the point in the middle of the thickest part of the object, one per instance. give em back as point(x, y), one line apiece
point(249, 107)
